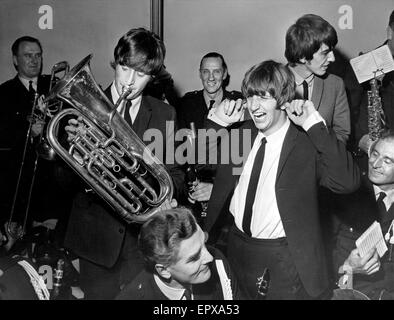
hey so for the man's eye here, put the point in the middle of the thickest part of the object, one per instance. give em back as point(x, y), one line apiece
point(141, 74)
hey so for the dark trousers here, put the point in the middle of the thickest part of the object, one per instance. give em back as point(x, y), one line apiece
point(100, 283)
point(249, 257)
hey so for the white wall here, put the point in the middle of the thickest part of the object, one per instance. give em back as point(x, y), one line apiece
point(80, 27)
point(249, 31)
point(244, 31)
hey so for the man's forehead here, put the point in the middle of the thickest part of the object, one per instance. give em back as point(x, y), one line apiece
point(29, 46)
point(212, 63)
point(191, 246)
point(385, 147)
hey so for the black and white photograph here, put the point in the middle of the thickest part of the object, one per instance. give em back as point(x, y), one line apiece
point(201, 150)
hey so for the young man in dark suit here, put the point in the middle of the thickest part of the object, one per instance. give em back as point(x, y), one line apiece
point(274, 201)
point(179, 266)
point(106, 245)
point(310, 42)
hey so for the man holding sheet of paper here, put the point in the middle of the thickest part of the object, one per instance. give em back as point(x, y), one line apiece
point(358, 212)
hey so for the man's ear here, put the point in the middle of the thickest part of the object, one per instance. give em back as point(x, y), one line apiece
point(225, 74)
point(162, 271)
point(390, 33)
point(303, 60)
point(14, 60)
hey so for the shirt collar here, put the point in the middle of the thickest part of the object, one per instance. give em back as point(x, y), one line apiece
point(278, 135)
point(389, 200)
point(217, 99)
point(170, 292)
point(115, 96)
point(26, 82)
point(299, 80)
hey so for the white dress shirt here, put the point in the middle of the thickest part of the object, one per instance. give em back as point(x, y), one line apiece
point(299, 80)
point(26, 82)
point(170, 292)
point(388, 200)
point(266, 222)
point(135, 104)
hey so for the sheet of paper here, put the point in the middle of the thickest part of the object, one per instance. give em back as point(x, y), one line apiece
point(376, 62)
point(372, 238)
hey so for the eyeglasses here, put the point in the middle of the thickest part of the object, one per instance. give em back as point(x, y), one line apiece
point(263, 283)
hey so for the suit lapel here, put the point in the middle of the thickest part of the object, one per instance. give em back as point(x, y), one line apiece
point(288, 145)
point(141, 122)
point(318, 86)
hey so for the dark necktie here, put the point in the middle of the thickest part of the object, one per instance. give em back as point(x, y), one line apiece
point(305, 87)
point(211, 103)
point(31, 89)
point(381, 206)
point(127, 112)
point(251, 194)
point(187, 294)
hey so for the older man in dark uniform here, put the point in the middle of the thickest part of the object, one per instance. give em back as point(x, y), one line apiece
point(195, 105)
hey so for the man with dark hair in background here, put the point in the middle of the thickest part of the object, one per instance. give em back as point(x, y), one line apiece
point(309, 50)
point(107, 245)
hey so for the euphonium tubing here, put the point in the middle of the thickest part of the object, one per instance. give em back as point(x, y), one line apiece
point(106, 152)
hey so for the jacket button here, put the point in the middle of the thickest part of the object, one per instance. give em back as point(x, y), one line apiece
point(121, 230)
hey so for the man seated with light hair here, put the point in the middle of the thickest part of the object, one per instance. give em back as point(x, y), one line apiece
point(357, 211)
point(179, 266)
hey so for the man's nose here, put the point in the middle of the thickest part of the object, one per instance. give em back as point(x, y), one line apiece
point(331, 56)
point(207, 257)
point(377, 163)
point(253, 103)
point(131, 78)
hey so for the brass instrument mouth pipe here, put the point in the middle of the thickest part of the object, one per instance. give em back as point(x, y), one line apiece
point(122, 97)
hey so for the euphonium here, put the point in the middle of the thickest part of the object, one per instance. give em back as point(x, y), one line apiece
point(105, 151)
point(376, 118)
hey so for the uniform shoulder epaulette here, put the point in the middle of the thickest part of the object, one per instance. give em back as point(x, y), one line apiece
point(191, 93)
point(235, 94)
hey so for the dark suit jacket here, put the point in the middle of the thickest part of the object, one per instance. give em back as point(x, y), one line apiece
point(144, 287)
point(307, 160)
point(15, 108)
point(95, 232)
point(192, 107)
point(354, 213)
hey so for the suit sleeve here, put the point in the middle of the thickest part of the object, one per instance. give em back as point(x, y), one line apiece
point(174, 169)
point(341, 120)
point(336, 169)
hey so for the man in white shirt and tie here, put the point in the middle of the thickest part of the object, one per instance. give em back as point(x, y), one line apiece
point(275, 207)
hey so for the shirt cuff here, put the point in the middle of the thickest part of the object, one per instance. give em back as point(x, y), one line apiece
point(314, 118)
point(213, 117)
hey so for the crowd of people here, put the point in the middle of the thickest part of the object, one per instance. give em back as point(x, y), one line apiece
point(281, 224)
